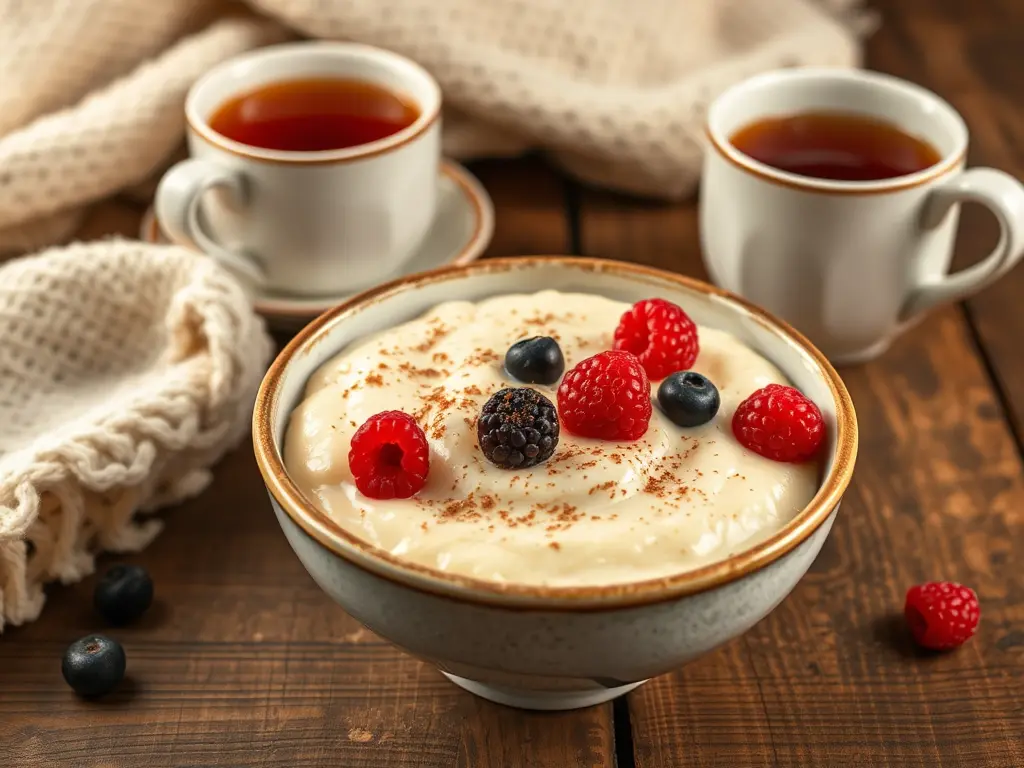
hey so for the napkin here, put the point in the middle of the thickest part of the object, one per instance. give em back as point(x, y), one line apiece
point(126, 371)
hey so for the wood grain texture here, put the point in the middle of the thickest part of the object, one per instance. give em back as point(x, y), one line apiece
point(530, 203)
point(830, 678)
point(243, 661)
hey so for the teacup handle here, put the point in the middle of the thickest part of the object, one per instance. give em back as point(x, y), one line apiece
point(1004, 196)
point(178, 198)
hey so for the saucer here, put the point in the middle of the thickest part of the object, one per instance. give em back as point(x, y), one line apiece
point(461, 231)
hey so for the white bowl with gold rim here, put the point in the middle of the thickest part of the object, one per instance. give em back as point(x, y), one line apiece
point(551, 647)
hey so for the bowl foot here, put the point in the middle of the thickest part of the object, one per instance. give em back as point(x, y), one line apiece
point(541, 700)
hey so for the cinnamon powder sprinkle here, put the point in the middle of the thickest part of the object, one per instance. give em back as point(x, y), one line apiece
point(539, 320)
point(555, 545)
point(472, 389)
point(656, 485)
point(601, 487)
point(430, 373)
point(434, 334)
point(375, 380)
point(570, 452)
point(482, 357)
point(461, 509)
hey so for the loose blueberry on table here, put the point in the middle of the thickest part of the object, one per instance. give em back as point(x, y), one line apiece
point(94, 665)
point(517, 428)
point(123, 594)
point(537, 360)
point(689, 399)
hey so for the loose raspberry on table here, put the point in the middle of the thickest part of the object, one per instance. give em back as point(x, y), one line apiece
point(607, 396)
point(517, 428)
point(660, 334)
point(779, 423)
point(942, 614)
point(389, 457)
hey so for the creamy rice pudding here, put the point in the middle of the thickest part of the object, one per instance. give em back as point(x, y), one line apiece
point(597, 511)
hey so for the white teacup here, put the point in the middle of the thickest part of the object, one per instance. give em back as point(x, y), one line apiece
point(307, 222)
point(849, 263)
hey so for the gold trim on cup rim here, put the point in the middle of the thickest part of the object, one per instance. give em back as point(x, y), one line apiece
point(318, 525)
point(198, 124)
point(809, 184)
point(939, 109)
point(307, 159)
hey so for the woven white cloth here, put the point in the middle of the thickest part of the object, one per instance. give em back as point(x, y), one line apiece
point(615, 92)
point(126, 370)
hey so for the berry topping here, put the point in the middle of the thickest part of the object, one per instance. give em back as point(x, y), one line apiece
point(779, 423)
point(660, 334)
point(689, 399)
point(537, 360)
point(123, 594)
point(607, 396)
point(942, 615)
point(389, 457)
point(517, 428)
point(93, 665)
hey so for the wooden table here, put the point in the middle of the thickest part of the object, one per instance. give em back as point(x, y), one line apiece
point(245, 662)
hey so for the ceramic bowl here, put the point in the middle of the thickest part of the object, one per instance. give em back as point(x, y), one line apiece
point(540, 647)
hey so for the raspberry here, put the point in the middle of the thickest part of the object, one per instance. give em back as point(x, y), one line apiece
point(517, 428)
point(389, 457)
point(942, 614)
point(661, 335)
point(779, 423)
point(607, 396)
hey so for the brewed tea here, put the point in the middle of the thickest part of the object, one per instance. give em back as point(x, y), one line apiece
point(835, 145)
point(313, 115)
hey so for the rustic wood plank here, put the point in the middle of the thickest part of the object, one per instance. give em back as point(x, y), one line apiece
point(830, 679)
point(244, 661)
point(530, 200)
point(975, 59)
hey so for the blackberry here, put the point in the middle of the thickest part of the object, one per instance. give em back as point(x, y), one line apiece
point(518, 427)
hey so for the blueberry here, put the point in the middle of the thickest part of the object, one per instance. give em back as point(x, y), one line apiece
point(537, 360)
point(688, 399)
point(123, 594)
point(94, 665)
